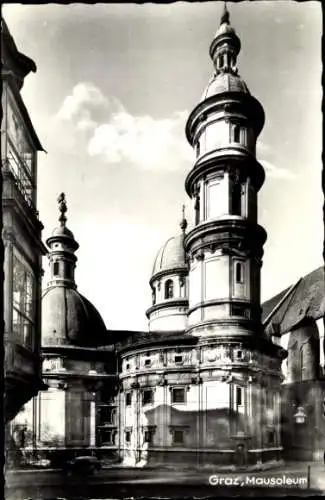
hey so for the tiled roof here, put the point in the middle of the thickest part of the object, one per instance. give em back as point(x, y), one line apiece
point(295, 303)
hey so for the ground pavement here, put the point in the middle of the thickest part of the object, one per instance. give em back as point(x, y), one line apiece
point(117, 482)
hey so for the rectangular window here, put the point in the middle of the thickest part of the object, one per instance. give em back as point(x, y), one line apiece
point(107, 415)
point(55, 269)
point(239, 396)
point(128, 399)
point(147, 396)
point(270, 437)
point(127, 436)
point(178, 358)
point(107, 436)
point(178, 395)
point(239, 272)
point(147, 362)
point(178, 437)
point(235, 199)
point(127, 366)
point(23, 303)
point(148, 436)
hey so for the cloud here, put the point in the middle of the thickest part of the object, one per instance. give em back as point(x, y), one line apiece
point(86, 106)
point(276, 172)
point(271, 170)
point(142, 140)
point(116, 136)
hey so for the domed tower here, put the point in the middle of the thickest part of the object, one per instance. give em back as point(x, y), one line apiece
point(225, 249)
point(169, 285)
point(68, 317)
point(76, 365)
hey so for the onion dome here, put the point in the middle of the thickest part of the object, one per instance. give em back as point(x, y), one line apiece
point(68, 318)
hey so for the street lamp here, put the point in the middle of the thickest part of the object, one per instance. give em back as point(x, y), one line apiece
point(300, 416)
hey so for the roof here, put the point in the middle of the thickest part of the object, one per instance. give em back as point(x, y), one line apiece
point(305, 299)
point(225, 82)
point(13, 60)
point(15, 67)
point(68, 318)
point(142, 339)
point(170, 256)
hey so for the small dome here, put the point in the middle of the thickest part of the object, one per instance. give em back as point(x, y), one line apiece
point(68, 318)
point(225, 82)
point(225, 29)
point(170, 256)
point(62, 231)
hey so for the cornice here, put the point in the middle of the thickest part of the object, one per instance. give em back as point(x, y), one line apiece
point(226, 159)
point(167, 304)
point(181, 270)
point(233, 234)
point(249, 104)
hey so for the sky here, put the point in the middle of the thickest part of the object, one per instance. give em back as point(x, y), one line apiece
point(114, 86)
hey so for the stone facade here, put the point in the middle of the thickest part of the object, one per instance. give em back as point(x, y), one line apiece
point(210, 382)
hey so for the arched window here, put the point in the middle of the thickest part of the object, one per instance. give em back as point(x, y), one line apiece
point(169, 289)
point(236, 133)
point(56, 269)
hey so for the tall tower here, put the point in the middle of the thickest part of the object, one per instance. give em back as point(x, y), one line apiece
point(225, 250)
point(226, 244)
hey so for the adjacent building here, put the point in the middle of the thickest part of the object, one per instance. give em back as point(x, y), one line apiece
point(23, 247)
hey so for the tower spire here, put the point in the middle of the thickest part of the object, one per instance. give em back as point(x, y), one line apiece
point(225, 46)
point(62, 250)
point(225, 18)
point(183, 223)
point(63, 209)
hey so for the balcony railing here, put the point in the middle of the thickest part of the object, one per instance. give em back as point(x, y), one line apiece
point(25, 187)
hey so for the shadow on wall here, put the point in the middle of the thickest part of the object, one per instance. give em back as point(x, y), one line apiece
point(186, 435)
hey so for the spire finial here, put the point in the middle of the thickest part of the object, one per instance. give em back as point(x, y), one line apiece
point(225, 18)
point(63, 209)
point(183, 221)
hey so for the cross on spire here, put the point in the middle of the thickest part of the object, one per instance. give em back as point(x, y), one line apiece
point(63, 209)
